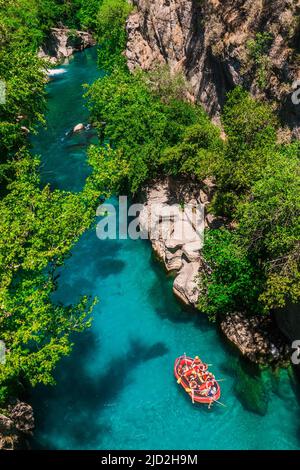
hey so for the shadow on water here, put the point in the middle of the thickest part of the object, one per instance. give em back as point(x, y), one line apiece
point(161, 295)
point(82, 396)
point(167, 305)
point(91, 262)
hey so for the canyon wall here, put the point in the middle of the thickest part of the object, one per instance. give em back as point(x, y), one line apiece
point(61, 44)
point(220, 44)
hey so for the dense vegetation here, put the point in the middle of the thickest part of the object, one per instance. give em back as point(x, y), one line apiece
point(38, 226)
point(153, 131)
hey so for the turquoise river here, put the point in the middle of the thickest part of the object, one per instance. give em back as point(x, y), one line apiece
point(117, 390)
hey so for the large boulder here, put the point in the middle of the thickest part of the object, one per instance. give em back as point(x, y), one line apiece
point(186, 285)
point(16, 426)
point(257, 338)
point(173, 219)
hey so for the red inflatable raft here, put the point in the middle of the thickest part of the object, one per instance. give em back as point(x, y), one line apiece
point(196, 380)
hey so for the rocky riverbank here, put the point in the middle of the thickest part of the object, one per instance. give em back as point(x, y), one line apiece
point(257, 337)
point(174, 217)
point(61, 44)
point(16, 426)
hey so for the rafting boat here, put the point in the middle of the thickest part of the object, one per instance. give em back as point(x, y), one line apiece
point(193, 375)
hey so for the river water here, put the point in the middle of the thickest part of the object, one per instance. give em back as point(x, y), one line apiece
point(117, 390)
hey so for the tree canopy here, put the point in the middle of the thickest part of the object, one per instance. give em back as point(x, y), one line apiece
point(38, 226)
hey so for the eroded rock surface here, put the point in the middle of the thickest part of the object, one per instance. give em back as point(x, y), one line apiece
point(257, 337)
point(62, 43)
point(173, 216)
point(16, 426)
point(209, 41)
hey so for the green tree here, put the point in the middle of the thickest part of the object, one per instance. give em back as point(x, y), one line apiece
point(111, 32)
point(232, 280)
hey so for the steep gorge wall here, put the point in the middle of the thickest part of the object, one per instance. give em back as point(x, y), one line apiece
point(209, 41)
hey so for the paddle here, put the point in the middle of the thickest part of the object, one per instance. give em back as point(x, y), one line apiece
point(222, 404)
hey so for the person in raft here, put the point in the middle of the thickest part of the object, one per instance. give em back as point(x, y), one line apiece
point(198, 365)
point(183, 367)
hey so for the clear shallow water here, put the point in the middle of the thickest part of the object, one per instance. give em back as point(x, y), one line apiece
point(116, 390)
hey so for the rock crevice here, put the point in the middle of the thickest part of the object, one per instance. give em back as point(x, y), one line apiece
point(209, 41)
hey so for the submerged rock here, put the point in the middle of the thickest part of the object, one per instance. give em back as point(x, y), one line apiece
point(252, 392)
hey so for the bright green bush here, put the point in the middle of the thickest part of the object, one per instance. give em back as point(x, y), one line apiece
point(111, 32)
point(232, 282)
point(140, 125)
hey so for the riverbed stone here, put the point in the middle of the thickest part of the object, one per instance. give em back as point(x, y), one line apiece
point(78, 128)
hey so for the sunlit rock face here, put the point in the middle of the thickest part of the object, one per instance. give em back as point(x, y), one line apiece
point(174, 218)
point(209, 41)
point(61, 44)
point(257, 337)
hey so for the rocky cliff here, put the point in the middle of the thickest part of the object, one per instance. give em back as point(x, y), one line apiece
point(61, 43)
point(173, 218)
point(220, 44)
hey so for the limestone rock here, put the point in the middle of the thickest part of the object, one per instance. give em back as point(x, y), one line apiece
point(173, 261)
point(257, 337)
point(191, 251)
point(61, 43)
point(16, 425)
point(208, 40)
point(186, 283)
point(173, 218)
point(22, 415)
point(78, 128)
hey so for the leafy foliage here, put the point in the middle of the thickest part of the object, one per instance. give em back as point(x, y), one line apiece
point(258, 188)
point(231, 281)
point(116, 100)
point(111, 33)
point(258, 49)
point(270, 228)
point(38, 226)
